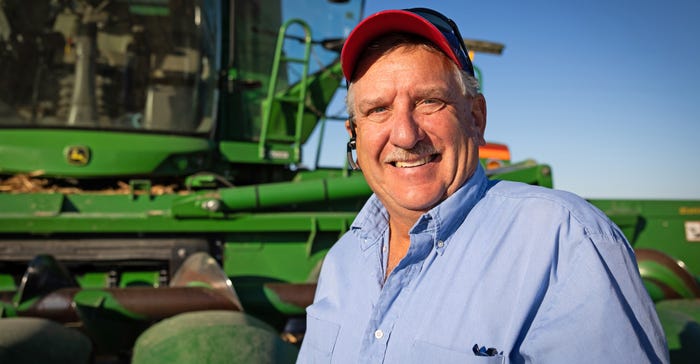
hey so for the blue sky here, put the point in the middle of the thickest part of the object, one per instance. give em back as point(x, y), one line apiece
point(607, 92)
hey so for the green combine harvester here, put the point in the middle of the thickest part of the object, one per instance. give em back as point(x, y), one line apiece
point(154, 207)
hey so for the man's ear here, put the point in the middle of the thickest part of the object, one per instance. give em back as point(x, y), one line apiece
point(478, 113)
point(352, 145)
point(350, 127)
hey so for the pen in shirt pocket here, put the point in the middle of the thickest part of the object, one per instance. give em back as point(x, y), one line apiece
point(483, 351)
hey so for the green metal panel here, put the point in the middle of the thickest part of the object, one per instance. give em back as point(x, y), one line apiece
point(528, 171)
point(93, 280)
point(47, 150)
point(247, 152)
point(136, 279)
point(681, 323)
point(130, 223)
point(271, 260)
point(7, 283)
point(664, 225)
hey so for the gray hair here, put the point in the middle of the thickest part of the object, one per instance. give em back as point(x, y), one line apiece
point(468, 84)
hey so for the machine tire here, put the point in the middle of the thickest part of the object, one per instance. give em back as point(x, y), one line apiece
point(37, 340)
point(212, 337)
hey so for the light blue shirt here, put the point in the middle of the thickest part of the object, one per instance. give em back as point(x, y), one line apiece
point(540, 275)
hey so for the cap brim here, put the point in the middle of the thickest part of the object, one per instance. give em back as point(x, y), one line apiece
point(384, 22)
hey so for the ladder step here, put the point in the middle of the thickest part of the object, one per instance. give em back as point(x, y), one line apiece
point(293, 60)
point(294, 99)
point(280, 138)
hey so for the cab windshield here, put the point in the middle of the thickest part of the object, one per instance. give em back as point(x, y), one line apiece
point(109, 64)
point(152, 65)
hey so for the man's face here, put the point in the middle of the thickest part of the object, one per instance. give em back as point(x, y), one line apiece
point(417, 135)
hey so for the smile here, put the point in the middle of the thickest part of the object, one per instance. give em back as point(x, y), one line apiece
point(415, 163)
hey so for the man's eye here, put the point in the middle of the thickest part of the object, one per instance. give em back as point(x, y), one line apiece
point(377, 110)
point(377, 114)
point(428, 106)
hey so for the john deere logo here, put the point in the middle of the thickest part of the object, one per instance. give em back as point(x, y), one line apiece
point(78, 155)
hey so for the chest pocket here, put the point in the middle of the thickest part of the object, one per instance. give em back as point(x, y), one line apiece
point(424, 352)
point(319, 340)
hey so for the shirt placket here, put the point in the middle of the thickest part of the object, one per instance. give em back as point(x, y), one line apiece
point(392, 301)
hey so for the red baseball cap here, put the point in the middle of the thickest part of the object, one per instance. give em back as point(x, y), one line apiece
point(427, 23)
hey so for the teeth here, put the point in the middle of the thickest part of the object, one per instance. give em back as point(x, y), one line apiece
point(415, 163)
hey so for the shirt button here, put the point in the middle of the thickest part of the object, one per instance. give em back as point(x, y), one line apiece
point(440, 243)
point(379, 334)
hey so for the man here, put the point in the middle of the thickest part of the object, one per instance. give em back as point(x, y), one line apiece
point(442, 265)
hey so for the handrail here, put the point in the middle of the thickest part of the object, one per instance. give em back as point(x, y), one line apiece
point(272, 95)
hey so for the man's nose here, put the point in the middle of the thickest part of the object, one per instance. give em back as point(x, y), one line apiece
point(405, 130)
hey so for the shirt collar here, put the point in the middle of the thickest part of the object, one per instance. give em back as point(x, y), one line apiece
point(446, 217)
point(372, 221)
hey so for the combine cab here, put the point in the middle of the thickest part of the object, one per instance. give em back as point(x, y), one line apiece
point(154, 206)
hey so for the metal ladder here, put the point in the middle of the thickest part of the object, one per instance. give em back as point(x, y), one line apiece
point(273, 97)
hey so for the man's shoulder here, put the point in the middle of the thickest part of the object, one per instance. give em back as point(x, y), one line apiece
point(366, 230)
point(531, 194)
point(348, 244)
point(538, 198)
point(353, 243)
